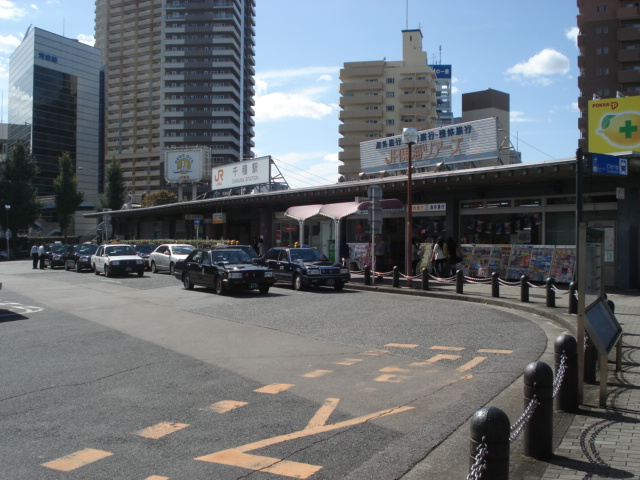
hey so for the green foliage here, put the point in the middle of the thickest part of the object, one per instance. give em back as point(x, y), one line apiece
point(68, 198)
point(162, 197)
point(17, 190)
point(115, 190)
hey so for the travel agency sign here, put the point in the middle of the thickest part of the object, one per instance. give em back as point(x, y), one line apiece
point(462, 142)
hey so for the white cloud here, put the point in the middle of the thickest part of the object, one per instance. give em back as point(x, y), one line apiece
point(519, 117)
point(88, 39)
point(572, 34)
point(9, 11)
point(540, 67)
point(305, 169)
point(276, 106)
point(8, 43)
point(325, 78)
point(34, 6)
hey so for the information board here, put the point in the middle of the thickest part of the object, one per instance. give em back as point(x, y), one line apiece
point(602, 326)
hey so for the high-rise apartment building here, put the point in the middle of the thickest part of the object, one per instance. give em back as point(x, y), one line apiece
point(178, 74)
point(609, 59)
point(380, 98)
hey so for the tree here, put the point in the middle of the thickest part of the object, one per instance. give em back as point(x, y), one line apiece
point(17, 190)
point(162, 197)
point(68, 198)
point(115, 190)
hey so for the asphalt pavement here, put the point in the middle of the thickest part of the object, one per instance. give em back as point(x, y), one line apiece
point(596, 442)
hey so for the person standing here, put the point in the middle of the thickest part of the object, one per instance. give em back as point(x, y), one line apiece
point(438, 258)
point(452, 250)
point(41, 256)
point(34, 255)
point(415, 255)
point(345, 254)
point(379, 252)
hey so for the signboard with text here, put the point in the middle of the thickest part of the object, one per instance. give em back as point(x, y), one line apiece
point(184, 166)
point(614, 124)
point(241, 174)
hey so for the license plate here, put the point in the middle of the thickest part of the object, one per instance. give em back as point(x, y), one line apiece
point(253, 286)
point(331, 281)
point(127, 269)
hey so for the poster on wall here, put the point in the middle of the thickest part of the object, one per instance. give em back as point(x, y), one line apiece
point(499, 260)
point(563, 264)
point(540, 263)
point(519, 262)
point(467, 253)
point(360, 254)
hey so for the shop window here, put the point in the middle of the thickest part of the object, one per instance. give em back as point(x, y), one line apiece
point(527, 202)
point(515, 228)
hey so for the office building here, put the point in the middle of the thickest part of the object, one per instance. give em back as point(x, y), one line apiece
point(380, 98)
point(54, 91)
point(178, 74)
point(444, 114)
point(609, 59)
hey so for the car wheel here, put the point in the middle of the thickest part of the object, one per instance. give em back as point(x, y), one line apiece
point(264, 290)
point(66, 266)
point(186, 281)
point(171, 269)
point(297, 282)
point(107, 271)
point(218, 285)
point(140, 273)
point(95, 270)
point(338, 286)
point(154, 269)
point(77, 267)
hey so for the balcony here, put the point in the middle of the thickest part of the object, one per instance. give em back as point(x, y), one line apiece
point(360, 113)
point(360, 86)
point(628, 13)
point(361, 100)
point(629, 76)
point(627, 55)
point(413, 84)
point(357, 127)
point(628, 34)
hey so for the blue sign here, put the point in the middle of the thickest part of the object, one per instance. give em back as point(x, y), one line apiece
point(442, 71)
point(196, 222)
point(609, 164)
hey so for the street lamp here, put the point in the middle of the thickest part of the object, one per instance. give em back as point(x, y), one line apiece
point(409, 138)
point(7, 232)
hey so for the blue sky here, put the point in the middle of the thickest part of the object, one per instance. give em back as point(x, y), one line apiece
point(525, 49)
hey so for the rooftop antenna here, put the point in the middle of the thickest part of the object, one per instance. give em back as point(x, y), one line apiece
point(440, 47)
point(407, 14)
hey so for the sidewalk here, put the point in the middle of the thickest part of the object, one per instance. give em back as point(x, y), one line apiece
point(596, 442)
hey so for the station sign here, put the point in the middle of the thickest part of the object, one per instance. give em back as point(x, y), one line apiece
point(609, 164)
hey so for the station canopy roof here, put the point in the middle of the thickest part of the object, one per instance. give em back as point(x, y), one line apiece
point(337, 211)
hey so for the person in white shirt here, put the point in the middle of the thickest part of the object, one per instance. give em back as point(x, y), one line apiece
point(41, 256)
point(34, 255)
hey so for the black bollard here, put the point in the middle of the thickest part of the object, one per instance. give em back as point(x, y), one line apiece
point(495, 284)
point(590, 361)
point(524, 289)
point(551, 293)
point(566, 398)
point(491, 426)
point(459, 281)
point(395, 279)
point(573, 299)
point(538, 431)
point(367, 275)
point(425, 278)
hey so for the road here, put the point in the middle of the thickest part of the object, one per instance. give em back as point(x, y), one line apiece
point(136, 378)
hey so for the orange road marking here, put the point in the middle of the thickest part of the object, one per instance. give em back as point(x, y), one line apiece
point(316, 373)
point(224, 406)
point(471, 364)
point(77, 459)
point(160, 430)
point(238, 456)
point(488, 350)
point(156, 477)
point(390, 378)
point(349, 361)
point(374, 352)
point(436, 358)
point(455, 349)
point(401, 345)
point(274, 388)
point(393, 369)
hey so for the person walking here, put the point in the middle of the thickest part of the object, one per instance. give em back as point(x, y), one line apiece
point(34, 255)
point(452, 251)
point(41, 256)
point(438, 258)
point(415, 256)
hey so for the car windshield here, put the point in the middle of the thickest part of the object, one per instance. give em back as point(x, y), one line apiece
point(229, 256)
point(145, 248)
point(182, 250)
point(307, 255)
point(86, 249)
point(59, 248)
point(119, 250)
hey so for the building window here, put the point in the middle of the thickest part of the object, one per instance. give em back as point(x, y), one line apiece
point(390, 122)
point(390, 94)
point(390, 108)
point(391, 80)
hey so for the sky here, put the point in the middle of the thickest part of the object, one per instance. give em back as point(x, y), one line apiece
point(526, 49)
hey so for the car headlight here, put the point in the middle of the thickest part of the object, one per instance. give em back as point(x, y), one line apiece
point(139, 262)
point(235, 275)
point(84, 259)
point(115, 262)
point(313, 271)
point(268, 274)
point(344, 271)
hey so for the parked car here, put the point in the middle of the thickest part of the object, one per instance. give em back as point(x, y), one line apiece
point(224, 270)
point(304, 267)
point(248, 249)
point(79, 258)
point(165, 256)
point(116, 259)
point(144, 251)
point(56, 255)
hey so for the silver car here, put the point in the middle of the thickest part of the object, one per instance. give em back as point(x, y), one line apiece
point(164, 257)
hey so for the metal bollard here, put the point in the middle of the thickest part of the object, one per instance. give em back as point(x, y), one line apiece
point(573, 300)
point(395, 279)
point(538, 431)
point(459, 281)
point(495, 284)
point(524, 289)
point(367, 275)
point(425, 278)
point(567, 393)
point(491, 426)
point(551, 294)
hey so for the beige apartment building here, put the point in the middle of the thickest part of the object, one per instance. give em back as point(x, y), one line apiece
point(178, 74)
point(380, 98)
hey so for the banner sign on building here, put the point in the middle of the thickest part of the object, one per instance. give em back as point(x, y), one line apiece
point(241, 174)
point(442, 71)
point(614, 124)
point(462, 142)
point(184, 166)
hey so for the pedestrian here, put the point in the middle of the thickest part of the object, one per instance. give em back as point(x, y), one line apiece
point(34, 255)
point(254, 244)
point(261, 246)
point(379, 252)
point(415, 255)
point(41, 256)
point(438, 258)
point(345, 254)
point(453, 250)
